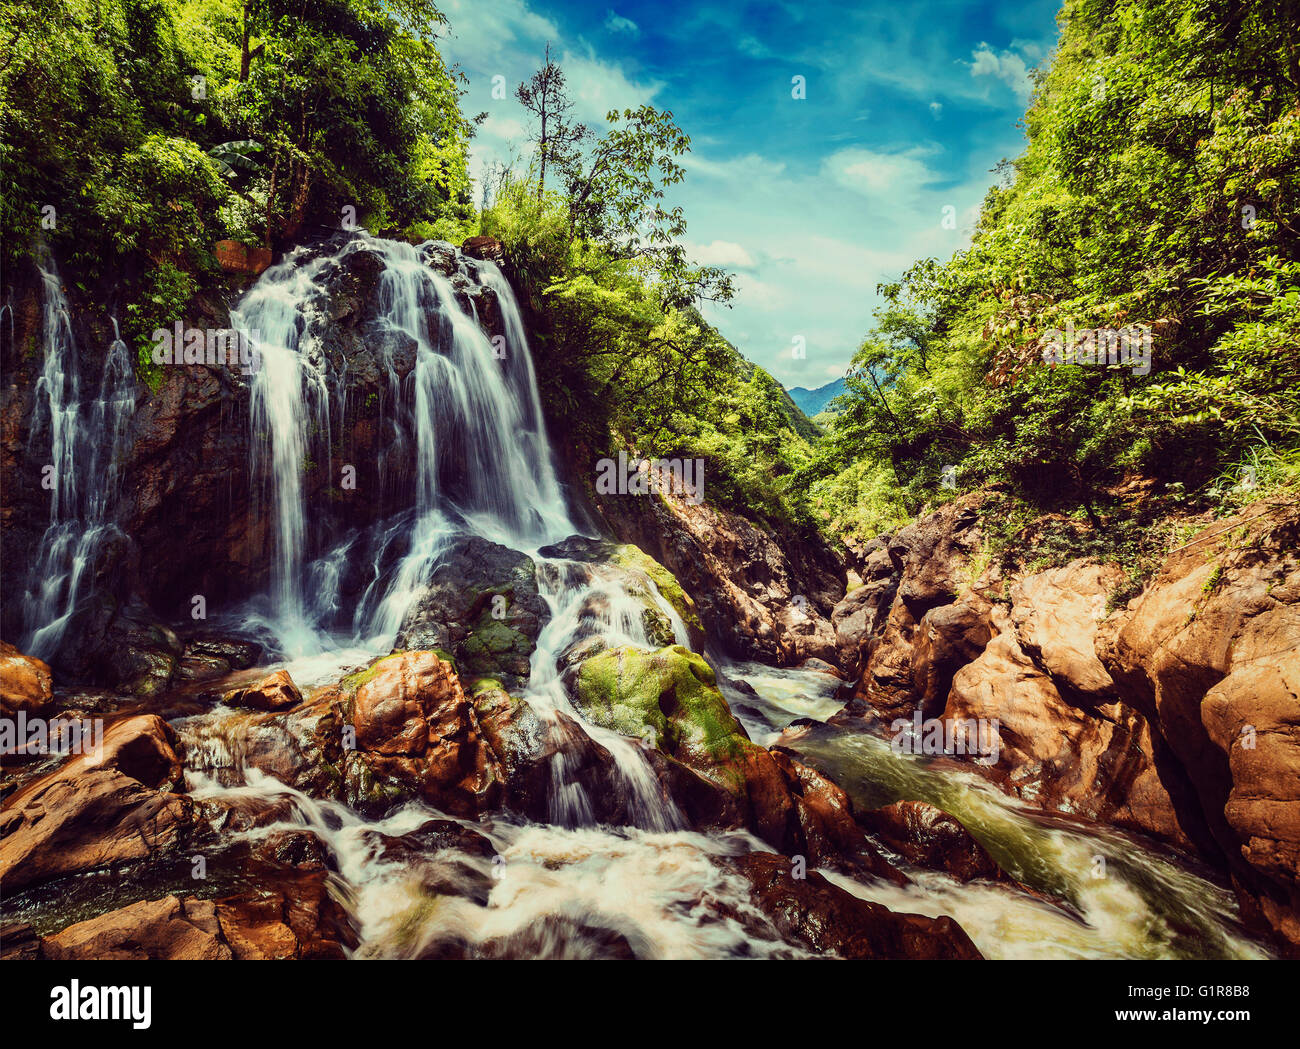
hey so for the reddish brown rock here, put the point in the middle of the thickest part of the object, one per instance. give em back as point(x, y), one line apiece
point(827, 919)
point(930, 838)
point(484, 247)
point(860, 615)
point(274, 693)
point(98, 810)
point(1212, 647)
point(1099, 762)
point(295, 919)
point(235, 257)
point(172, 929)
point(415, 726)
point(25, 684)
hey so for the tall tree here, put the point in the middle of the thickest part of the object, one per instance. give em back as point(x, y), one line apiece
point(558, 137)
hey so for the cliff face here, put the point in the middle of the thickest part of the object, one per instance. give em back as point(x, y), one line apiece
point(762, 596)
point(1178, 716)
point(189, 511)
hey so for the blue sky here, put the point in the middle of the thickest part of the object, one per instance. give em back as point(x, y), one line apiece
point(810, 202)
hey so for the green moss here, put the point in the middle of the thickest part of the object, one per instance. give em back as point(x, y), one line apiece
point(671, 692)
point(1213, 580)
point(632, 557)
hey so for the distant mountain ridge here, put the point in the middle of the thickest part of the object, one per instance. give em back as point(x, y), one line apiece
point(812, 402)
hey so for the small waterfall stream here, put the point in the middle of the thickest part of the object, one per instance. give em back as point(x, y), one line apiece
point(87, 435)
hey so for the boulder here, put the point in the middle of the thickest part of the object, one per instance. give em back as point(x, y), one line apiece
point(234, 257)
point(481, 606)
point(928, 837)
point(827, 919)
point(274, 693)
point(484, 247)
point(99, 809)
point(25, 684)
point(169, 928)
point(860, 615)
point(415, 726)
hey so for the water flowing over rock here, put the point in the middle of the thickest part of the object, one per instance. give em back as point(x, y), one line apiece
point(1173, 717)
point(365, 664)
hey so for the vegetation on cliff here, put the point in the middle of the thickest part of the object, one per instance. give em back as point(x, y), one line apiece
point(139, 133)
point(1158, 194)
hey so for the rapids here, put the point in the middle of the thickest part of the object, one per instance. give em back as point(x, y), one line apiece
point(470, 410)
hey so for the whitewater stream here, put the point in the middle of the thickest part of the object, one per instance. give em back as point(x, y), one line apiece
point(483, 466)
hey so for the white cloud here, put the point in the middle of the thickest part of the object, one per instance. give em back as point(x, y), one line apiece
point(1007, 66)
point(936, 108)
point(616, 23)
point(596, 87)
point(872, 172)
point(744, 168)
point(492, 34)
point(720, 253)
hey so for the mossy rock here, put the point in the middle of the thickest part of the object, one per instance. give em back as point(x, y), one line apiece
point(634, 558)
point(672, 692)
point(482, 604)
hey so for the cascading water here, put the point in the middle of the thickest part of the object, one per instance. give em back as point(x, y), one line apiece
point(86, 444)
point(467, 413)
point(469, 409)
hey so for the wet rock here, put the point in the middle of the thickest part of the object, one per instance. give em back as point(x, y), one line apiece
point(415, 726)
point(762, 596)
point(168, 928)
point(1099, 762)
point(481, 606)
point(100, 818)
point(669, 696)
point(25, 684)
point(637, 569)
point(236, 653)
point(819, 666)
point(290, 912)
point(447, 858)
point(100, 809)
point(441, 256)
point(290, 918)
point(19, 942)
point(928, 837)
point(827, 919)
point(670, 700)
point(274, 693)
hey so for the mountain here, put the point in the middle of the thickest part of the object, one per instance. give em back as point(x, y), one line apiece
point(811, 402)
point(791, 413)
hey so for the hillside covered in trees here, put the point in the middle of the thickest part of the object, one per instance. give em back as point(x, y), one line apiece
point(499, 605)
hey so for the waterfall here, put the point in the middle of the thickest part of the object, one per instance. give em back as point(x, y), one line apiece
point(87, 440)
point(470, 409)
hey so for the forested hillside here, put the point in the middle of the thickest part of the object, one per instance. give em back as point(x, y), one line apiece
point(1158, 194)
